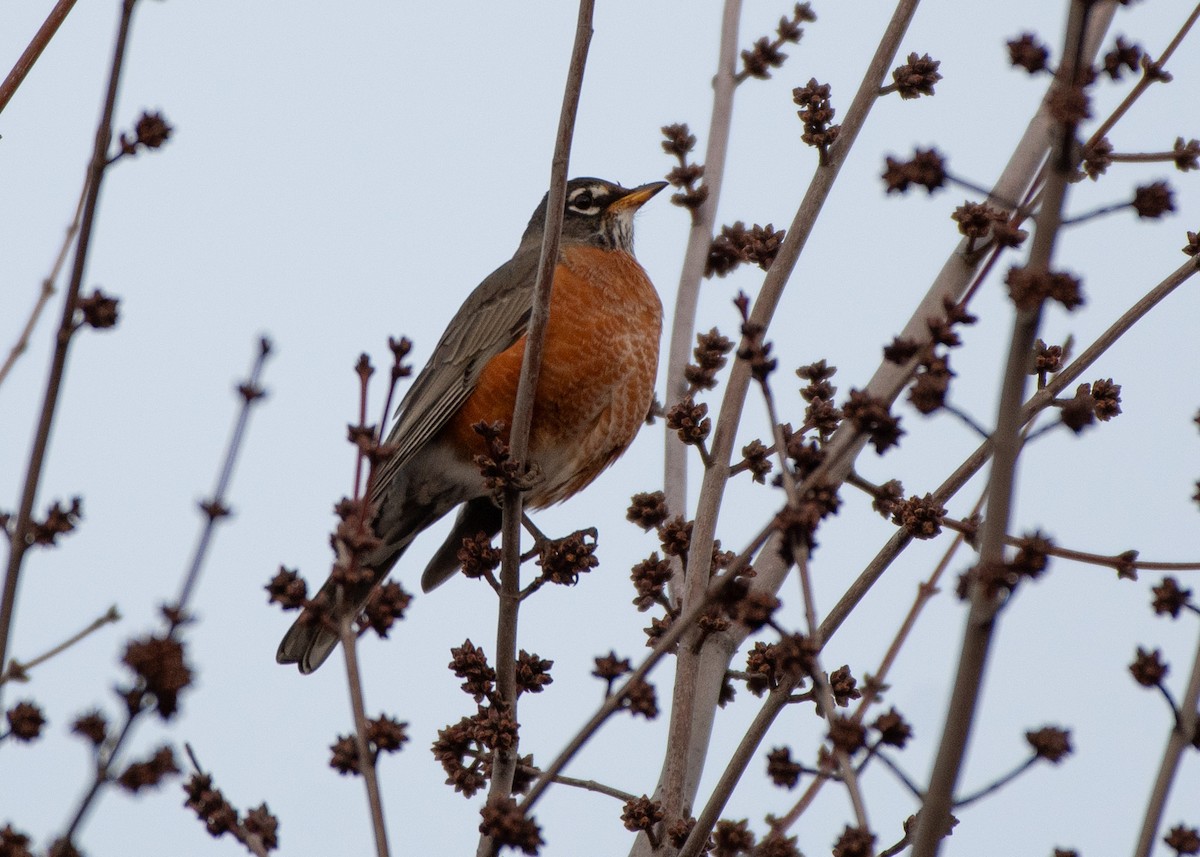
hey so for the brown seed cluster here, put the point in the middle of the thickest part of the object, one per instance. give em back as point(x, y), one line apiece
point(25, 721)
point(650, 578)
point(736, 245)
point(1097, 158)
point(384, 607)
point(917, 76)
point(1170, 597)
point(732, 838)
point(149, 773)
point(1050, 743)
point(1153, 200)
point(97, 310)
point(507, 825)
point(821, 414)
point(816, 112)
point(647, 509)
point(680, 141)
point(689, 420)
point(921, 517)
point(384, 735)
point(844, 686)
point(781, 769)
point(1148, 668)
point(641, 813)
point(220, 817)
point(158, 663)
point(1183, 839)
point(870, 415)
point(854, 842)
point(1124, 55)
point(563, 560)
point(892, 728)
point(756, 456)
point(766, 54)
point(91, 726)
point(710, 353)
point(478, 557)
point(926, 168)
point(1029, 287)
point(533, 673)
point(1027, 52)
point(978, 220)
point(151, 132)
point(1099, 400)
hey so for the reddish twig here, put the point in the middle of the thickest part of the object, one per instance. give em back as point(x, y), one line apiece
point(19, 544)
point(34, 50)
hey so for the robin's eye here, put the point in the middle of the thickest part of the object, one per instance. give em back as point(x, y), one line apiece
point(582, 200)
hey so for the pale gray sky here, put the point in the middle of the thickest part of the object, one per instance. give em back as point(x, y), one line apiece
point(340, 174)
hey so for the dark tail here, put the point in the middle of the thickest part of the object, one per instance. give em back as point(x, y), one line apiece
point(310, 640)
point(476, 516)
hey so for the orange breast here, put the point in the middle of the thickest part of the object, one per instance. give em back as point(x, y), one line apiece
point(597, 377)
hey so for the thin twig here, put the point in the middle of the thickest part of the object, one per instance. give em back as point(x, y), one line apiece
point(177, 614)
point(925, 592)
point(1183, 733)
point(215, 509)
point(1144, 82)
point(997, 784)
point(253, 841)
point(34, 50)
point(366, 759)
point(47, 289)
point(18, 671)
point(19, 543)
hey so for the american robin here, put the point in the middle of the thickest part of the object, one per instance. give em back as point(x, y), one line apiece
point(594, 392)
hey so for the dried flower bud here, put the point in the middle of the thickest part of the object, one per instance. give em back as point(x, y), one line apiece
point(1153, 200)
point(505, 823)
point(1050, 743)
point(25, 721)
point(927, 168)
point(1028, 53)
point(1148, 668)
point(917, 76)
point(854, 842)
point(287, 589)
point(641, 813)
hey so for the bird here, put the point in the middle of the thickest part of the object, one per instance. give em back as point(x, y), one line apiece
point(595, 390)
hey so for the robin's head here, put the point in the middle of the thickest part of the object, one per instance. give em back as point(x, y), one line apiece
point(596, 212)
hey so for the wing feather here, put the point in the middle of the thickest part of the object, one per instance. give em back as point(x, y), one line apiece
point(492, 318)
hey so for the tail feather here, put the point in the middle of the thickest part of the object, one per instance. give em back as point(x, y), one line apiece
point(476, 516)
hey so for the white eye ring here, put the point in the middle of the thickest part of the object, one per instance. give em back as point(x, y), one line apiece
point(583, 200)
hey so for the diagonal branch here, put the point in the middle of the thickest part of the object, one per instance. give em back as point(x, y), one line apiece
point(34, 50)
point(934, 817)
point(19, 543)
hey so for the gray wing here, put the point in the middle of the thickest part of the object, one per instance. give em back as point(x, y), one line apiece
point(491, 319)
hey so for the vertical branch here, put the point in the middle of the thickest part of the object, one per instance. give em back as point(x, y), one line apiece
point(34, 50)
point(19, 543)
point(505, 761)
point(680, 777)
point(1006, 446)
point(687, 296)
point(366, 759)
point(1183, 733)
